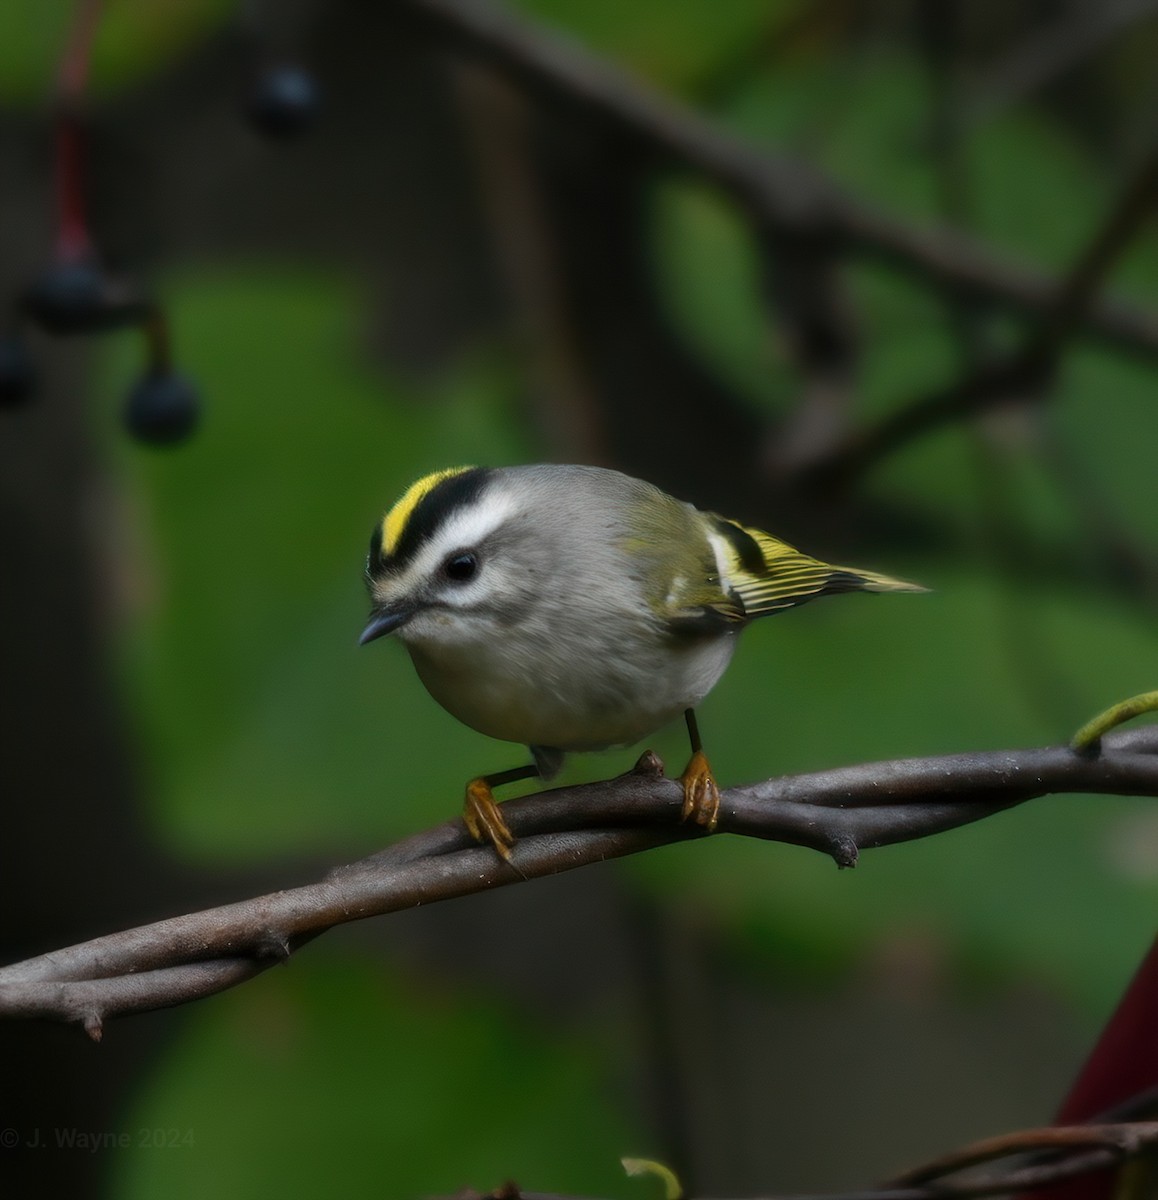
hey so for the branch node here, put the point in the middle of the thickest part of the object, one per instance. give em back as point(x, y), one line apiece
point(649, 765)
point(273, 944)
point(844, 851)
point(93, 1025)
point(1091, 748)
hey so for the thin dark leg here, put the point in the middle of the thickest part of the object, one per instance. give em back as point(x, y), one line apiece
point(701, 795)
point(481, 813)
point(693, 731)
point(530, 771)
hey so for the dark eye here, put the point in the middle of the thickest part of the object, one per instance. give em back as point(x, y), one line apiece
point(461, 567)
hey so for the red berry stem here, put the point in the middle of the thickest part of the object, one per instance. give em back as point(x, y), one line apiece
point(73, 240)
point(72, 236)
point(72, 76)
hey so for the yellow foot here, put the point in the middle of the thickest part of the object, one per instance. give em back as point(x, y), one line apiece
point(701, 795)
point(484, 821)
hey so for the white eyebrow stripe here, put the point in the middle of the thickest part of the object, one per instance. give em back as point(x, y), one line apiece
point(471, 525)
point(463, 529)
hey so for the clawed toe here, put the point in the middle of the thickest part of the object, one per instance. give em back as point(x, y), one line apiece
point(483, 820)
point(701, 795)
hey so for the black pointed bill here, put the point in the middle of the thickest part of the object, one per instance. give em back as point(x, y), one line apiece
point(383, 622)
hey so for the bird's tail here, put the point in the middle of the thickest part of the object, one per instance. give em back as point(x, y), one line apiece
point(873, 581)
point(772, 575)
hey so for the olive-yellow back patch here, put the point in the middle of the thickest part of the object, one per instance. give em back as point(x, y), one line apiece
point(396, 519)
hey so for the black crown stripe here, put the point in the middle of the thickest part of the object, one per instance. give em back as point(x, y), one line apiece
point(431, 512)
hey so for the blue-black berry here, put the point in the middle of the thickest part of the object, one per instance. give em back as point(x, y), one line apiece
point(76, 296)
point(283, 101)
point(163, 409)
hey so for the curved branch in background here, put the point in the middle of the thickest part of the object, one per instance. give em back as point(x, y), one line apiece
point(838, 812)
point(775, 190)
point(1047, 53)
point(1025, 370)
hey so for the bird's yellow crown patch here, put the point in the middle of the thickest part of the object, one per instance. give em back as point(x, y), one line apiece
point(395, 520)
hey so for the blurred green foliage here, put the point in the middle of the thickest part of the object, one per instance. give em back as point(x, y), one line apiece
point(264, 730)
point(670, 44)
point(339, 1071)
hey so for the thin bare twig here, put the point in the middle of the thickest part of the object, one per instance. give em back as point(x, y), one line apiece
point(838, 812)
point(774, 189)
point(794, 204)
point(1024, 370)
point(1073, 38)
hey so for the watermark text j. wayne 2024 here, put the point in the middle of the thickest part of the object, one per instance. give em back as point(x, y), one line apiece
point(93, 1141)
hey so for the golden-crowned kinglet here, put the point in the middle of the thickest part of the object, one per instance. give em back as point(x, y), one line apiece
point(576, 608)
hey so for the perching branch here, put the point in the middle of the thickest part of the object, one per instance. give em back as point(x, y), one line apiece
point(776, 191)
point(838, 812)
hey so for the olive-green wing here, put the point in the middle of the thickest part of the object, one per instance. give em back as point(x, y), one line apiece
point(769, 575)
point(677, 567)
point(701, 605)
